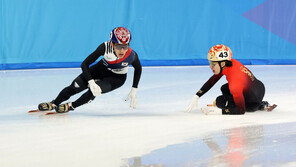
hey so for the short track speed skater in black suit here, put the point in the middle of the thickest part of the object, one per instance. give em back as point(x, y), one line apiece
point(106, 75)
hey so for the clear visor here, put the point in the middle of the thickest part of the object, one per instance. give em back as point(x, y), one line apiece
point(121, 46)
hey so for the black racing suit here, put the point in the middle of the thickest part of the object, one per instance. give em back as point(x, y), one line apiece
point(109, 73)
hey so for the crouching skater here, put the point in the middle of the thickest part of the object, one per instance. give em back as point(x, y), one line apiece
point(243, 92)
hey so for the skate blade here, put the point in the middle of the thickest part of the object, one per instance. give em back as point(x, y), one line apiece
point(51, 113)
point(56, 113)
point(271, 107)
point(37, 111)
point(32, 111)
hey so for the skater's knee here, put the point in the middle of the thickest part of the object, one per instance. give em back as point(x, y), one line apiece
point(225, 89)
point(221, 102)
point(78, 85)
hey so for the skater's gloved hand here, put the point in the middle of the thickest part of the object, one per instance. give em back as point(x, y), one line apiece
point(94, 88)
point(193, 103)
point(132, 96)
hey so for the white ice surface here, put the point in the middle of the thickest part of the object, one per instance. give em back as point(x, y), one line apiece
point(106, 131)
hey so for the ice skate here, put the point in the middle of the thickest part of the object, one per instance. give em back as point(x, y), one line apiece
point(46, 106)
point(265, 106)
point(63, 108)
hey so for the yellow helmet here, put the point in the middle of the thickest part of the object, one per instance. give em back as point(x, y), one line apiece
point(219, 53)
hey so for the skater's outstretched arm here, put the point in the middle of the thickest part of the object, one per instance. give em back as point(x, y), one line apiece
point(137, 75)
point(206, 87)
point(138, 71)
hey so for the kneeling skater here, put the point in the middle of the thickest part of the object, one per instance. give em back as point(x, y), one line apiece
point(243, 92)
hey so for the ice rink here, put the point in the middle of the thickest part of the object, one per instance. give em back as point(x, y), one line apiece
point(107, 133)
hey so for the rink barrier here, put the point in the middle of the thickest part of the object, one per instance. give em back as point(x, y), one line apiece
point(192, 62)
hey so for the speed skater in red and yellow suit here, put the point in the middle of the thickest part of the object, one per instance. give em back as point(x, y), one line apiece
point(243, 92)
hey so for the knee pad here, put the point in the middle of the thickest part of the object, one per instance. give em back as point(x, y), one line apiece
point(78, 85)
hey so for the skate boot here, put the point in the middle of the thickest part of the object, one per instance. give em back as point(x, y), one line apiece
point(46, 106)
point(264, 106)
point(63, 108)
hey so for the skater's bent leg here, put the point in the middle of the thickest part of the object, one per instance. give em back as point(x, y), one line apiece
point(87, 97)
point(225, 90)
point(251, 107)
point(107, 84)
point(78, 85)
point(255, 96)
point(221, 102)
point(225, 102)
point(111, 83)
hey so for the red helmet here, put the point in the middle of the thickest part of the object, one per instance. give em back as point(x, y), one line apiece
point(220, 53)
point(120, 35)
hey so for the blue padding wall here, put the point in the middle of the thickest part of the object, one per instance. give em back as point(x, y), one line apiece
point(62, 33)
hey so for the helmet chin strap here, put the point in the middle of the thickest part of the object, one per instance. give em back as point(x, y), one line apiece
point(221, 68)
